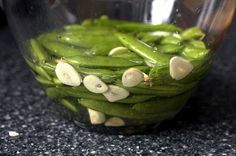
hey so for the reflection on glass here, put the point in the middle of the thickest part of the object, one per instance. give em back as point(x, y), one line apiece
point(161, 11)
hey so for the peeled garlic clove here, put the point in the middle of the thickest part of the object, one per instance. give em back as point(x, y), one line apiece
point(67, 74)
point(180, 68)
point(115, 122)
point(94, 84)
point(161, 33)
point(118, 50)
point(116, 93)
point(132, 77)
point(96, 117)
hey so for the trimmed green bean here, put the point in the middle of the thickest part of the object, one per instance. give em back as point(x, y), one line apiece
point(143, 49)
point(101, 61)
point(167, 90)
point(171, 40)
point(49, 67)
point(39, 70)
point(194, 52)
point(63, 50)
point(37, 51)
point(140, 27)
point(87, 40)
point(193, 33)
point(163, 104)
point(44, 81)
point(69, 104)
point(170, 48)
point(61, 92)
point(197, 44)
point(127, 55)
point(119, 110)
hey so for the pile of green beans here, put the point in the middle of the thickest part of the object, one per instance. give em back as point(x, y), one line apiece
point(86, 47)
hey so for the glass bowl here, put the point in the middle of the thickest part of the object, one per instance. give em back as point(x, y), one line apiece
point(119, 66)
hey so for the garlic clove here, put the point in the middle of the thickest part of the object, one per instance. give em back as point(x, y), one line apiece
point(67, 74)
point(132, 77)
point(116, 93)
point(94, 84)
point(96, 117)
point(161, 33)
point(118, 50)
point(180, 68)
point(115, 122)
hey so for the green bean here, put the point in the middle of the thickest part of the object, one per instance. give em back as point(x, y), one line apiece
point(149, 38)
point(171, 40)
point(87, 22)
point(193, 33)
point(39, 70)
point(52, 36)
point(69, 104)
point(105, 74)
point(153, 36)
point(119, 110)
point(49, 67)
point(159, 72)
point(101, 61)
point(143, 49)
point(127, 55)
point(61, 92)
point(194, 52)
point(63, 50)
point(136, 98)
point(197, 44)
point(140, 27)
point(104, 49)
point(163, 104)
point(135, 26)
point(162, 74)
point(91, 30)
point(144, 69)
point(87, 40)
point(170, 48)
point(37, 51)
point(167, 90)
point(75, 27)
point(44, 81)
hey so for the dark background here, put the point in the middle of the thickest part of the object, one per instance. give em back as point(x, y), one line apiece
point(206, 126)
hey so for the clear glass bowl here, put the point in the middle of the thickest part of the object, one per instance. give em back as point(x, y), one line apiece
point(119, 66)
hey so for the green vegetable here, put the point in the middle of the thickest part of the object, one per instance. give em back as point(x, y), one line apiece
point(39, 70)
point(163, 104)
point(102, 61)
point(171, 40)
point(37, 51)
point(169, 48)
point(197, 44)
point(159, 90)
point(81, 92)
point(106, 49)
point(44, 81)
point(143, 49)
point(63, 50)
point(119, 110)
point(192, 33)
point(194, 52)
point(69, 104)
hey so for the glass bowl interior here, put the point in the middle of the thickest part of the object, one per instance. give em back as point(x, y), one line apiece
point(48, 31)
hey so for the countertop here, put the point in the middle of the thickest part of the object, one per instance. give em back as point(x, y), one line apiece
point(206, 126)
